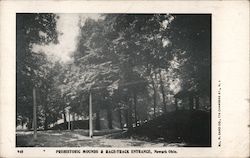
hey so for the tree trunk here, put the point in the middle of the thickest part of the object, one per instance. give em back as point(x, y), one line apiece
point(191, 102)
point(126, 117)
point(163, 93)
point(45, 123)
point(45, 117)
point(43, 99)
point(34, 114)
point(135, 107)
point(154, 95)
point(97, 122)
point(120, 118)
point(176, 104)
point(22, 123)
point(72, 122)
point(109, 115)
point(130, 122)
point(64, 119)
point(30, 123)
point(197, 103)
point(69, 122)
point(90, 115)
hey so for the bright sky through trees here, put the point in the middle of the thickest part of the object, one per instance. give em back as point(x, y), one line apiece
point(68, 29)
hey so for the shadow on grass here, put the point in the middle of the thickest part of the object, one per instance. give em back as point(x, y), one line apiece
point(78, 138)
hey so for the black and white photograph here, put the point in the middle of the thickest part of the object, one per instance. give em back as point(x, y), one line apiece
point(124, 78)
point(113, 80)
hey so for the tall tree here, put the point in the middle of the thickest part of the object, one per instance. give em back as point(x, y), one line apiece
point(191, 35)
point(31, 29)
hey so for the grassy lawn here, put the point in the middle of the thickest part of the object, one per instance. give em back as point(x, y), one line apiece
point(79, 138)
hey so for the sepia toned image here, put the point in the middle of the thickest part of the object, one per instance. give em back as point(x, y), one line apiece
point(113, 80)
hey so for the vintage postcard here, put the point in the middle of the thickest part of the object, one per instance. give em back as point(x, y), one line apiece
point(124, 79)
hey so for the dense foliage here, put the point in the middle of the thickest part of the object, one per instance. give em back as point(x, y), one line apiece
point(136, 66)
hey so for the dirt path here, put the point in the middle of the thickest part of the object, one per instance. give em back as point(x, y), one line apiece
point(76, 139)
